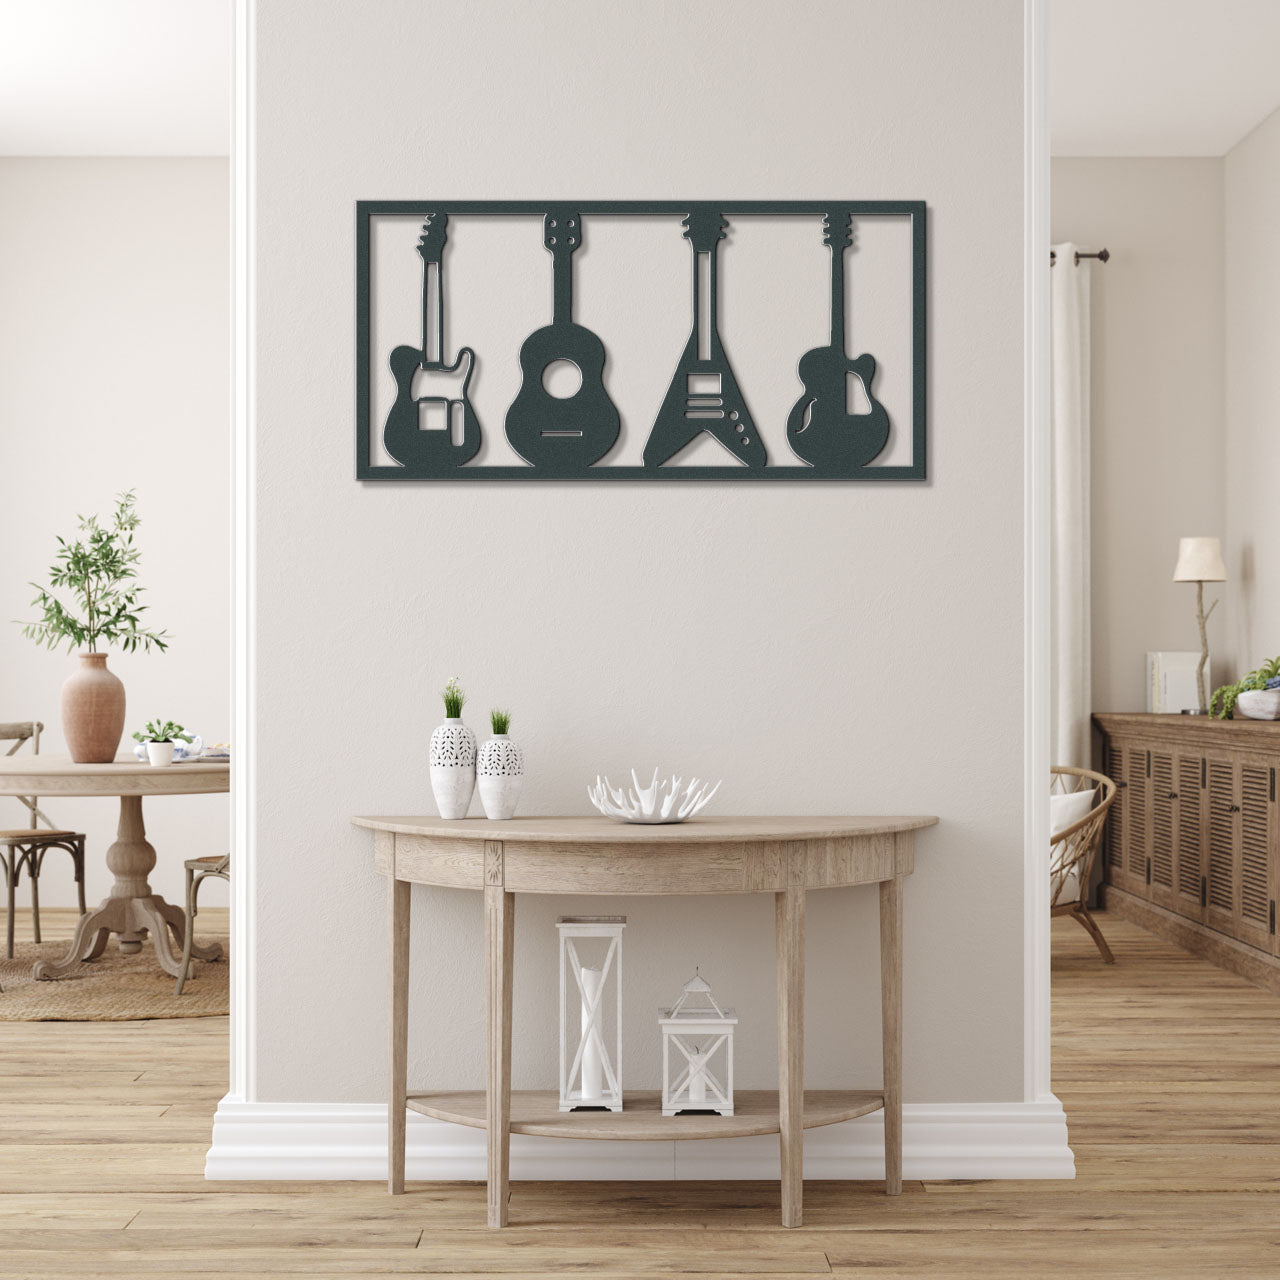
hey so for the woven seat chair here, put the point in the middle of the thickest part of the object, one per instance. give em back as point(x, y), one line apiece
point(198, 871)
point(25, 847)
point(1074, 850)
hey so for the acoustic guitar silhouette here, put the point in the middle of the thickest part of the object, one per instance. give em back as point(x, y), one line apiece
point(432, 426)
point(704, 394)
point(820, 428)
point(562, 433)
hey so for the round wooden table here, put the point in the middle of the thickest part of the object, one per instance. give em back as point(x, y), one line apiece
point(787, 857)
point(131, 909)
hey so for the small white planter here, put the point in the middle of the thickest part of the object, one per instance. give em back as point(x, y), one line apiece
point(1259, 704)
point(160, 752)
point(500, 775)
point(453, 767)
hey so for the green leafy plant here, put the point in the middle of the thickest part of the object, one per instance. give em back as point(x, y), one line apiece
point(500, 720)
point(162, 731)
point(453, 698)
point(99, 570)
point(1223, 702)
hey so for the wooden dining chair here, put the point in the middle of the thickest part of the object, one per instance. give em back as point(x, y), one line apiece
point(26, 846)
point(198, 871)
point(1074, 850)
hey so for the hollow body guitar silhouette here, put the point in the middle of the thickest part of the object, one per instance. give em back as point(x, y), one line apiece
point(704, 394)
point(820, 428)
point(562, 433)
point(431, 425)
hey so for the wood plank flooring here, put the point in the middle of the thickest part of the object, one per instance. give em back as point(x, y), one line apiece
point(1168, 1069)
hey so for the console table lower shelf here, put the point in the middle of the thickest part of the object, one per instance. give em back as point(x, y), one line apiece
point(537, 1112)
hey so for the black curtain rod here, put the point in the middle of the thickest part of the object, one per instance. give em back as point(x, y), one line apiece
point(1103, 255)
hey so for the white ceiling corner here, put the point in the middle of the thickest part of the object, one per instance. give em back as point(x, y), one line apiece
point(1161, 77)
point(115, 77)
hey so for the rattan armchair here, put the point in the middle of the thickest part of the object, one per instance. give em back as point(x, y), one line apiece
point(25, 847)
point(1074, 850)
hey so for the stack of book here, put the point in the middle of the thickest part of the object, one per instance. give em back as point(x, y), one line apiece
point(1171, 682)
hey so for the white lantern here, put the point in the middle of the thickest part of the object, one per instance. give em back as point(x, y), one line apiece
point(590, 962)
point(697, 1042)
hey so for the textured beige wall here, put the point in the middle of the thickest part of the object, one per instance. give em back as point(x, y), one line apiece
point(1157, 403)
point(114, 327)
point(828, 648)
point(1253, 394)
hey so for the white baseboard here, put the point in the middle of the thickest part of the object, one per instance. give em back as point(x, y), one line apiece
point(340, 1141)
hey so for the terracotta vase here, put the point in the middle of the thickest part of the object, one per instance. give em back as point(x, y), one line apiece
point(93, 711)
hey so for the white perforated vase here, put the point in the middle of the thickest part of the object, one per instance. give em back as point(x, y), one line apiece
point(499, 776)
point(453, 767)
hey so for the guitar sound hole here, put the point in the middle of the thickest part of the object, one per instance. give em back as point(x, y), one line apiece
point(562, 379)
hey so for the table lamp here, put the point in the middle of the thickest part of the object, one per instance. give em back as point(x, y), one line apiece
point(1200, 561)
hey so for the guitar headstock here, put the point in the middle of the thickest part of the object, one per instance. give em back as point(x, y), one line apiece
point(562, 232)
point(434, 234)
point(838, 231)
point(704, 230)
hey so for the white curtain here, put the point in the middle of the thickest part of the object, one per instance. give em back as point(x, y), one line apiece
point(1070, 643)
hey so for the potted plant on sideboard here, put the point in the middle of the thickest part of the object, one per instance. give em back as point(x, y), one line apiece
point(98, 570)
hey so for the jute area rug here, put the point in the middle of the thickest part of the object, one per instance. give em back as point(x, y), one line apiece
point(113, 988)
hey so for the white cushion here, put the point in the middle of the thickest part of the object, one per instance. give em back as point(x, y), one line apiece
point(1066, 811)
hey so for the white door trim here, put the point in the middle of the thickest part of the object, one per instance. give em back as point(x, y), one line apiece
point(1026, 1139)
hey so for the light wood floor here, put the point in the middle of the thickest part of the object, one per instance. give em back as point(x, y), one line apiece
point(1167, 1068)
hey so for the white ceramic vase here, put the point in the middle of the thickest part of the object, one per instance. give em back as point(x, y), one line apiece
point(453, 767)
point(500, 775)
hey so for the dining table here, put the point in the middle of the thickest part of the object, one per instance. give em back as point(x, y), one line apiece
point(131, 910)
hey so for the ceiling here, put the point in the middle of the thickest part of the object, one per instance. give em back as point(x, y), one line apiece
point(153, 77)
point(115, 77)
point(1161, 77)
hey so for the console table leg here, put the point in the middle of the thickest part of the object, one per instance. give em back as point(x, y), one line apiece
point(789, 907)
point(891, 1015)
point(499, 936)
point(398, 900)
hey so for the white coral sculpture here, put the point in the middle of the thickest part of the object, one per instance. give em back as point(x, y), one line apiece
point(671, 800)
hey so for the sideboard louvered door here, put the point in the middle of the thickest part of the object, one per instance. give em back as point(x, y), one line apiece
point(1137, 843)
point(1222, 896)
point(1256, 820)
point(1190, 836)
point(1164, 827)
point(1113, 767)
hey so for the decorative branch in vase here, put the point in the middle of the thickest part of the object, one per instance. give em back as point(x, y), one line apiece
point(98, 571)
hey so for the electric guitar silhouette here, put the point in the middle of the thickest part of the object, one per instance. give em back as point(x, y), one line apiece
point(562, 433)
point(820, 428)
point(704, 394)
point(432, 426)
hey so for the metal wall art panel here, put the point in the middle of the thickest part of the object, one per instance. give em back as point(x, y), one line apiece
point(432, 432)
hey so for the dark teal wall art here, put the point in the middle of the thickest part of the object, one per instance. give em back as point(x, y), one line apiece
point(432, 431)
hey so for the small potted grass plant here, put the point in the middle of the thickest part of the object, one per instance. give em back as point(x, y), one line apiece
point(159, 736)
point(452, 756)
point(500, 769)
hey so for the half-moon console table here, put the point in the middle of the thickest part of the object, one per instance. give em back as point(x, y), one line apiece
point(783, 856)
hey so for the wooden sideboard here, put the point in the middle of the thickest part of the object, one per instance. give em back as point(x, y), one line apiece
point(1192, 847)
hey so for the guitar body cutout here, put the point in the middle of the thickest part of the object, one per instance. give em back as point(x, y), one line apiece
point(562, 435)
point(821, 430)
point(409, 433)
point(704, 395)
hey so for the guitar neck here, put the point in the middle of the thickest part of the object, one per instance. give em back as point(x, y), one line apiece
point(432, 312)
point(562, 289)
point(837, 298)
point(704, 299)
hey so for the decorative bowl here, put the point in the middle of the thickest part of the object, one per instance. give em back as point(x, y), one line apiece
point(1259, 704)
point(671, 800)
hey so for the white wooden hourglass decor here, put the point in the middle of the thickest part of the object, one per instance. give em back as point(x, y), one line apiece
point(590, 959)
point(698, 1029)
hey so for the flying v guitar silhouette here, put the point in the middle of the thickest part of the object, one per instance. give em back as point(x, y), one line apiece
point(432, 431)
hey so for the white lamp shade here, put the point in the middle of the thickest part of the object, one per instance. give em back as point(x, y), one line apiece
point(1200, 560)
